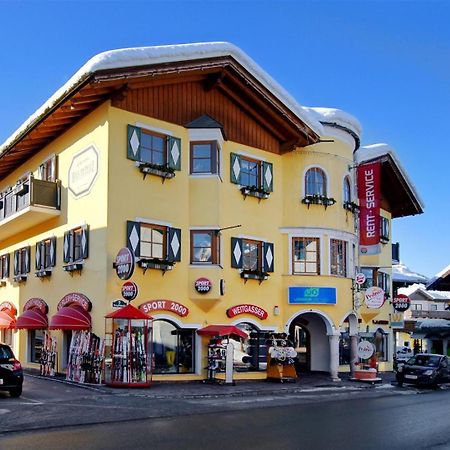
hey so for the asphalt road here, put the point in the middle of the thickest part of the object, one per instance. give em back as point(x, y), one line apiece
point(404, 419)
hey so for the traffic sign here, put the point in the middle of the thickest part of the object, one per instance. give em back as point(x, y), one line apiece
point(360, 278)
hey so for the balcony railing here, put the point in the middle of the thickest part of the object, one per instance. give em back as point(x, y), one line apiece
point(420, 314)
point(33, 199)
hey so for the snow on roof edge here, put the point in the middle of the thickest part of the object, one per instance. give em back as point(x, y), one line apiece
point(338, 116)
point(129, 57)
point(369, 152)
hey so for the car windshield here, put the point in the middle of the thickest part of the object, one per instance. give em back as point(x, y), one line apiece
point(5, 352)
point(424, 360)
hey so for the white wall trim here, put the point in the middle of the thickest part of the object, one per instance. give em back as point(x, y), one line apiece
point(153, 221)
point(353, 316)
point(328, 321)
point(206, 134)
point(249, 155)
point(251, 238)
point(148, 127)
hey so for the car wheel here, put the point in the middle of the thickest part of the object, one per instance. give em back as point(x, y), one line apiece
point(16, 392)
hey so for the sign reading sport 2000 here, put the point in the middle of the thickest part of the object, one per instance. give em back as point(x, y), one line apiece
point(299, 295)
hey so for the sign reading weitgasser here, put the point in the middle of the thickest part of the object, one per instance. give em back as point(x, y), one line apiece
point(299, 295)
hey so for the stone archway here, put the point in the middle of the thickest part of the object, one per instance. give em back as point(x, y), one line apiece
point(314, 338)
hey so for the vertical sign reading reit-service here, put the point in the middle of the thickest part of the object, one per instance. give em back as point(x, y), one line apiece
point(369, 204)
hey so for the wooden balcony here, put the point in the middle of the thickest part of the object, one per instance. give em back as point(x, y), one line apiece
point(419, 314)
point(27, 204)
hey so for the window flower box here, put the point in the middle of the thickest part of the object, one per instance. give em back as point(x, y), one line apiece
point(20, 189)
point(317, 199)
point(254, 275)
point(155, 263)
point(156, 169)
point(254, 191)
point(73, 267)
point(351, 206)
point(43, 273)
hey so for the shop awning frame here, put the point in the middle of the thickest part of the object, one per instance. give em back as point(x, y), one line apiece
point(71, 318)
point(7, 320)
point(222, 331)
point(32, 319)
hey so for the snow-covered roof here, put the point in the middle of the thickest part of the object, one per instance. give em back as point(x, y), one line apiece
point(402, 273)
point(143, 56)
point(332, 116)
point(375, 151)
point(428, 294)
point(411, 289)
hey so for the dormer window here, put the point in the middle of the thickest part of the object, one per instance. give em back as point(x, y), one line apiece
point(205, 157)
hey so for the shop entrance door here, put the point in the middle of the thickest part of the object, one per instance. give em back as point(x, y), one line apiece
point(300, 337)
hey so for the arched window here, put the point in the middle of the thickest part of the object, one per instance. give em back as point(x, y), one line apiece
point(347, 191)
point(173, 348)
point(252, 353)
point(315, 182)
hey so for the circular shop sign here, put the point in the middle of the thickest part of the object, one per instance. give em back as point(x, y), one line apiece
point(203, 285)
point(124, 263)
point(401, 302)
point(129, 290)
point(360, 278)
point(374, 297)
point(365, 350)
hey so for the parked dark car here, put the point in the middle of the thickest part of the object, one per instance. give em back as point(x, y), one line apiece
point(424, 369)
point(11, 374)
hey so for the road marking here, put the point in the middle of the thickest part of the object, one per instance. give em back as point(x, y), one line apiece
point(4, 411)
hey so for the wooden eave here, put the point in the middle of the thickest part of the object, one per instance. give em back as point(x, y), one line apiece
point(222, 73)
point(394, 188)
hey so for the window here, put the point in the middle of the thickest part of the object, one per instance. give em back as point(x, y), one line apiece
point(253, 350)
point(380, 341)
point(154, 153)
point(384, 229)
point(305, 257)
point(315, 182)
point(384, 281)
point(76, 247)
point(375, 277)
point(251, 255)
point(338, 255)
point(152, 242)
point(205, 246)
point(204, 157)
point(48, 170)
point(433, 307)
point(6, 337)
point(45, 255)
point(153, 148)
point(173, 348)
point(4, 266)
point(35, 345)
point(417, 307)
point(347, 191)
point(255, 177)
point(21, 263)
point(254, 258)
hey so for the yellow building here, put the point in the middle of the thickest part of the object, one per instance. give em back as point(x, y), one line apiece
point(238, 204)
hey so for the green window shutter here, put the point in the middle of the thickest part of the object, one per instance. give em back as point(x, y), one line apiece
point(174, 152)
point(27, 260)
point(173, 244)
point(236, 253)
point(6, 268)
point(268, 262)
point(134, 143)
point(85, 241)
point(267, 176)
point(66, 247)
point(134, 237)
point(235, 168)
point(52, 251)
point(16, 262)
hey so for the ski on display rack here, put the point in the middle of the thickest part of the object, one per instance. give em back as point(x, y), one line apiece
point(49, 355)
point(86, 356)
point(129, 361)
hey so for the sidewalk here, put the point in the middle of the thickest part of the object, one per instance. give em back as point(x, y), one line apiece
point(305, 383)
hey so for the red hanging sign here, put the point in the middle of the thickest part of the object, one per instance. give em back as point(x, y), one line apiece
point(369, 208)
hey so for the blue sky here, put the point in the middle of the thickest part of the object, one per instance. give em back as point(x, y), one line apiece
point(385, 62)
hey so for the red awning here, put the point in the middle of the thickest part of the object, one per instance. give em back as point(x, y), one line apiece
point(71, 318)
point(32, 319)
point(222, 330)
point(7, 319)
point(128, 312)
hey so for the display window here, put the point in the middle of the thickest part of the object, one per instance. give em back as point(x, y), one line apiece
point(251, 354)
point(35, 345)
point(6, 337)
point(380, 340)
point(173, 348)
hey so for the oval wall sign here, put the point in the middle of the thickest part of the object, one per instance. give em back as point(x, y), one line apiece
point(165, 305)
point(77, 299)
point(374, 297)
point(203, 285)
point(401, 302)
point(130, 290)
point(124, 263)
point(247, 309)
